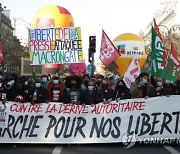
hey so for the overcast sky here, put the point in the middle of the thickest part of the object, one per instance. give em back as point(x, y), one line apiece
point(113, 16)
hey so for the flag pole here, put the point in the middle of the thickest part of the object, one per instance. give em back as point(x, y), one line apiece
point(117, 50)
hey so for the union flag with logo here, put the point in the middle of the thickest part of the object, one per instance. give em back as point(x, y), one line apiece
point(108, 52)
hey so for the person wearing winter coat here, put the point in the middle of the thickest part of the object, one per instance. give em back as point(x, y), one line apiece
point(121, 91)
point(141, 87)
point(55, 90)
point(38, 93)
point(91, 95)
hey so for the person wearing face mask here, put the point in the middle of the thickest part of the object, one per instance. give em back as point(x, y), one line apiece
point(169, 87)
point(19, 92)
point(99, 81)
point(38, 93)
point(55, 89)
point(121, 91)
point(84, 84)
point(141, 87)
point(161, 89)
point(44, 80)
point(72, 93)
point(91, 96)
point(29, 85)
point(106, 91)
point(9, 87)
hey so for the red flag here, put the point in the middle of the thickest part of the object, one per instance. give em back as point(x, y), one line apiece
point(174, 57)
point(157, 30)
point(1, 53)
point(108, 52)
point(178, 76)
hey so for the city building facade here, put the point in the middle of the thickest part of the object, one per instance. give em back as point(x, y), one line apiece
point(167, 18)
point(21, 30)
point(5, 22)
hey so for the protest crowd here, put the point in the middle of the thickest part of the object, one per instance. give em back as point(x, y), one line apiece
point(86, 89)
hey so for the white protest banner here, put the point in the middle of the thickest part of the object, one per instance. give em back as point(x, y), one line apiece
point(102, 123)
point(3, 116)
point(132, 72)
point(56, 45)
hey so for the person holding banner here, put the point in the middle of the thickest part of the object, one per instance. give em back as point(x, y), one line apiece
point(38, 93)
point(55, 90)
point(19, 91)
point(29, 86)
point(142, 88)
point(161, 89)
point(44, 80)
point(121, 91)
point(106, 91)
point(84, 85)
point(171, 86)
point(9, 87)
point(91, 95)
point(72, 94)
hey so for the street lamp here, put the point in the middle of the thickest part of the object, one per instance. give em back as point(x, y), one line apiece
point(172, 35)
point(174, 28)
point(164, 30)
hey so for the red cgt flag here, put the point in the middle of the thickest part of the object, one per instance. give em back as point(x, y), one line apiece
point(108, 52)
point(174, 56)
point(157, 30)
point(1, 53)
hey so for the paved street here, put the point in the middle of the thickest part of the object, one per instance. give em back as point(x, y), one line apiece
point(89, 149)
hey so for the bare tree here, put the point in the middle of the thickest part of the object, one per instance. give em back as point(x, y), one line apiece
point(12, 51)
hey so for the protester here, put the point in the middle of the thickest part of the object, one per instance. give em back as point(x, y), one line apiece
point(72, 94)
point(99, 81)
point(170, 86)
point(107, 91)
point(44, 80)
point(2, 90)
point(141, 87)
point(38, 93)
point(9, 88)
point(55, 90)
point(84, 84)
point(113, 82)
point(161, 90)
point(19, 91)
point(82, 90)
point(29, 86)
point(91, 95)
point(121, 91)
